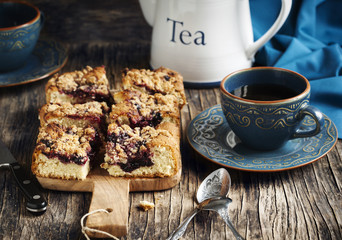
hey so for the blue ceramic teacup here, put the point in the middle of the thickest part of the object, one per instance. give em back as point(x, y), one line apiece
point(265, 106)
point(20, 25)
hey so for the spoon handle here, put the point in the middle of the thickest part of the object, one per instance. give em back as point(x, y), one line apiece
point(180, 230)
point(223, 212)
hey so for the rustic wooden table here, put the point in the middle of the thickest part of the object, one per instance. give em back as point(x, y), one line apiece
point(303, 203)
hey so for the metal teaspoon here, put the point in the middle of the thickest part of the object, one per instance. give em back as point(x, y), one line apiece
point(215, 185)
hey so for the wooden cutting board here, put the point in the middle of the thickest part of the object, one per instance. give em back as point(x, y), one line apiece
point(112, 194)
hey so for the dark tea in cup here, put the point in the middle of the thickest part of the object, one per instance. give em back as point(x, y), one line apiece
point(11, 14)
point(264, 92)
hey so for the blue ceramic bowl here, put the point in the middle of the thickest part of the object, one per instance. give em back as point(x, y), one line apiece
point(268, 124)
point(20, 25)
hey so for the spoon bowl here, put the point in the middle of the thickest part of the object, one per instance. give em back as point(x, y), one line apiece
point(215, 185)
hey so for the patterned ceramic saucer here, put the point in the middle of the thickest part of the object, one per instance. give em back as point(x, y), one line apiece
point(210, 135)
point(47, 58)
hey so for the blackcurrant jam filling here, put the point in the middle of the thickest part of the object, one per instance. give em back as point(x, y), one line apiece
point(140, 157)
point(47, 143)
point(90, 93)
point(153, 120)
point(72, 158)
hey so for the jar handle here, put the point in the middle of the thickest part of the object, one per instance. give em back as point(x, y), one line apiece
point(284, 12)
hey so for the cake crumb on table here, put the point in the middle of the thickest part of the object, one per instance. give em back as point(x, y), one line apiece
point(146, 205)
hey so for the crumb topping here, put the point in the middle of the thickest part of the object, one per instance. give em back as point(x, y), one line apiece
point(153, 81)
point(161, 80)
point(156, 102)
point(87, 77)
point(89, 109)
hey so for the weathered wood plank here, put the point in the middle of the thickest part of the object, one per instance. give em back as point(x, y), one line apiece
point(299, 203)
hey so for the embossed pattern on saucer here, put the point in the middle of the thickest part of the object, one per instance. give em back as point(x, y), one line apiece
point(210, 135)
point(47, 58)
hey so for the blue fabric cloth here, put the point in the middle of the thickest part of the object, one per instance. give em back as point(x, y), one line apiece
point(309, 43)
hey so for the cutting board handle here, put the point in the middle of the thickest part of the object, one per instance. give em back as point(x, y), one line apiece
point(113, 197)
point(110, 193)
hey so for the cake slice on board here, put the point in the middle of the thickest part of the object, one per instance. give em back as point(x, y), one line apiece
point(162, 80)
point(64, 152)
point(89, 84)
point(141, 152)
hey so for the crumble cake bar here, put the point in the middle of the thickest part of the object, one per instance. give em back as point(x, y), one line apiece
point(81, 115)
point(64, 152)
point(90, 84)
point(138, 109)
point(141, 152)
point(161, 80)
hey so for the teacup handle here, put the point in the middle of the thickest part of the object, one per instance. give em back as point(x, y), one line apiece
point(316, 115)
point(284, 12)
point(42, 20)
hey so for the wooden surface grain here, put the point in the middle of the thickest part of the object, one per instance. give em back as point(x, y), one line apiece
point(303, 203)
